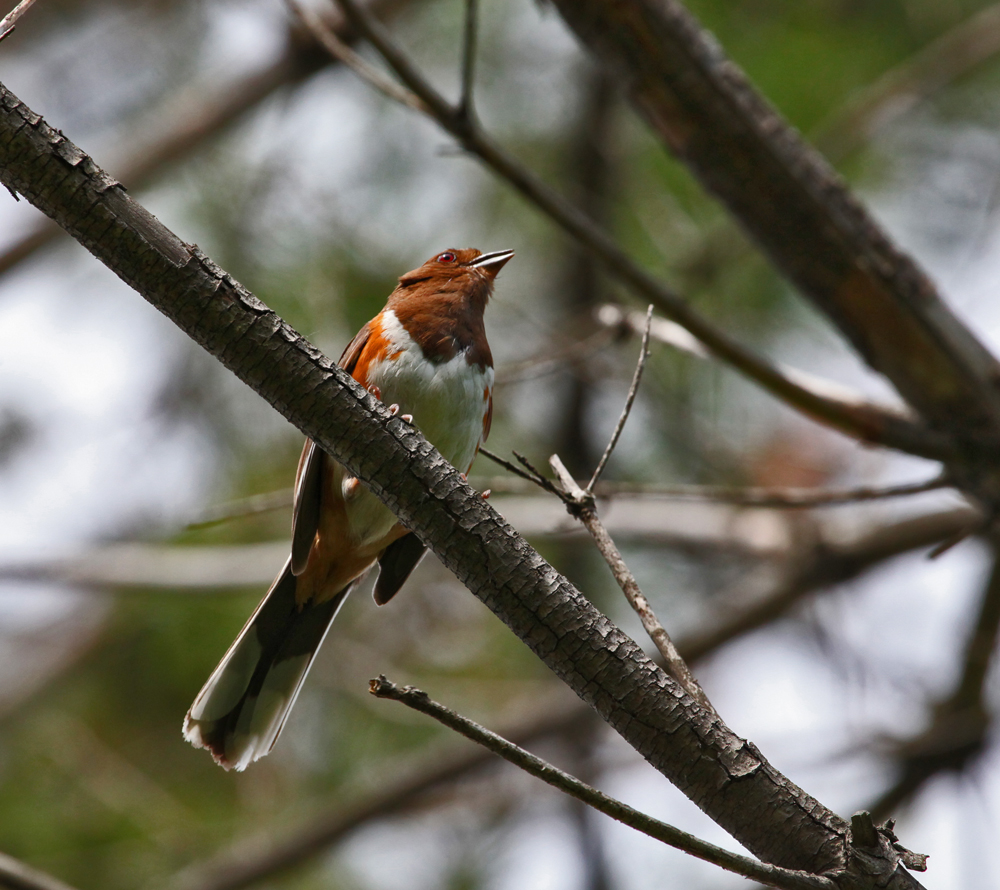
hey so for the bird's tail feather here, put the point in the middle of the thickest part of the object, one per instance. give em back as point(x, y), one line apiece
point(242, 708)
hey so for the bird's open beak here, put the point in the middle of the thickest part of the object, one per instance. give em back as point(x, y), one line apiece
point(491, 263)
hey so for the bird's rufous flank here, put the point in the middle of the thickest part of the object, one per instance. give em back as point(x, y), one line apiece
point(425, 352)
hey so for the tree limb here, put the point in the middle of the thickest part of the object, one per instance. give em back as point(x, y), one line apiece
point(706, 112)
point(725, 775)
point(262, 856)
point(535, 766)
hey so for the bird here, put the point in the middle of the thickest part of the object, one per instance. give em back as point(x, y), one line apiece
point(426, 356)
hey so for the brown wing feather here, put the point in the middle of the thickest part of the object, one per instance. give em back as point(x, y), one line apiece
point(349, 359)
point(309, 478)
point(305, 513)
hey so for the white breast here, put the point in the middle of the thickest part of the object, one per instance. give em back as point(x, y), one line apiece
point(448, 402)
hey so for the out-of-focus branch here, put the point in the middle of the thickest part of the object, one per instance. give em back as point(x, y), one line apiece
point(706, 112)
point(766, 497)
point(859, 422)
point(621, 812)
point(829, 562)
point(15, 875)
point(959, 724)
point(939, 64)
point(195, 118)
point(465, 103)
point(672, 334)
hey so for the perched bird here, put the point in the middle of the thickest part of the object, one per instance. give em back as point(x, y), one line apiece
point(424, 354)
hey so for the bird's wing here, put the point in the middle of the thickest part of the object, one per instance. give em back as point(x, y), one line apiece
point(349, 359)
point(305, 513)
point(487, 419)
point(309, 478)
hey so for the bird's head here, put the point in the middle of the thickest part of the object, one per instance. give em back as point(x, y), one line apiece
point(466, 267)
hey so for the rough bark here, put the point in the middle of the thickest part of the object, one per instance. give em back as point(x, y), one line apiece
point(706, 111)
point(724, 774)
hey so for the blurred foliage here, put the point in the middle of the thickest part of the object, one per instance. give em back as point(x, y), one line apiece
point(317, 202)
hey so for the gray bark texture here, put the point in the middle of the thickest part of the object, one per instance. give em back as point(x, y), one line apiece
point(723, 774)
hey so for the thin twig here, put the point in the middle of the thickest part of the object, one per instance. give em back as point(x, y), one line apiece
point(581, 505)
point(328, 39)
point(9, 20)
point(507, 465)
point(674, 837)
point(465, 104)
point(773, 498)
point(632, 391)
point(770, 498)
point(869, 423)
point(672, 334)
point(265, 855)
point(538, 478)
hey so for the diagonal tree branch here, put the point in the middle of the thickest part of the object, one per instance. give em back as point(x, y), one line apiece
point(257, 858)
point(705, 111)
point(748, 868)
point(725, 775)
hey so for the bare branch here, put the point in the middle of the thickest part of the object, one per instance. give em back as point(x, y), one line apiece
point(672, 334)
point(778, 498)
point(630, 399)
point(581, 504)
point(862, 423)
point(261, 856)
point(704, 109)
point(765, 497)
point(729, 778)
point(621, 812)
point(8, 22)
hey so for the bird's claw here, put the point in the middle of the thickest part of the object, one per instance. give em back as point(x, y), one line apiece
point(394, 411)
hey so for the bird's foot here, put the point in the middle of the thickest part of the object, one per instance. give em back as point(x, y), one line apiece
point(406, 418)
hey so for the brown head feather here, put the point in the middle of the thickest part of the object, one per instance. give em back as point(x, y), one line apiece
point(441, 305)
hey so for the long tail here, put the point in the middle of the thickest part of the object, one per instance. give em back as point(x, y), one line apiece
point(241, 709)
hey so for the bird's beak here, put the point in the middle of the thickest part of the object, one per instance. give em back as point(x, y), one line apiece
point(491, 263)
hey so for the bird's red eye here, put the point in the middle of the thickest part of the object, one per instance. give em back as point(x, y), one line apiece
point(446, 257)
